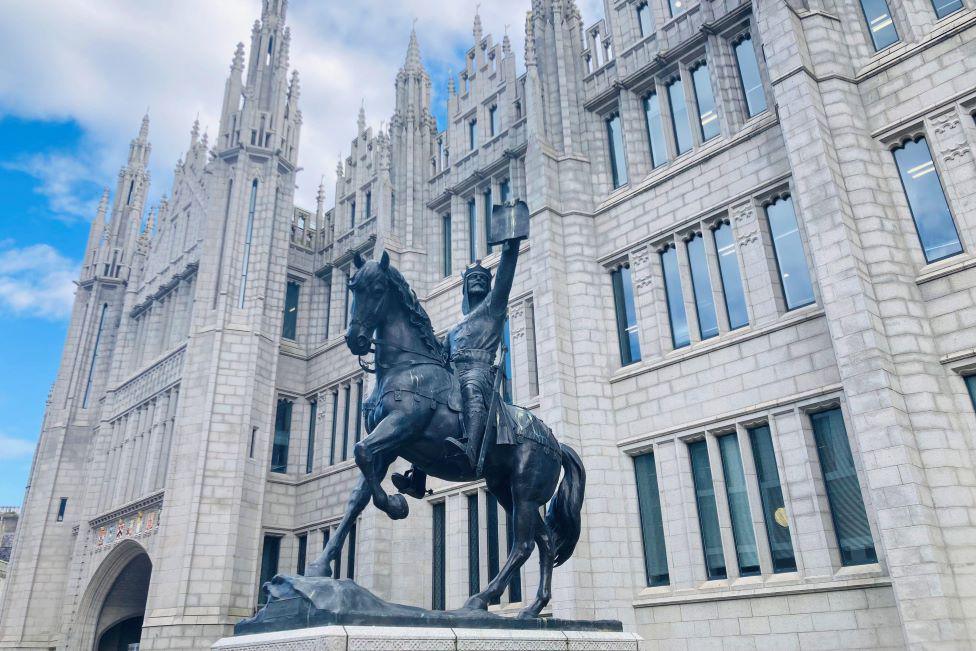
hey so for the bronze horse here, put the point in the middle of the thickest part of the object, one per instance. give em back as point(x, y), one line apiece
point(408, 416)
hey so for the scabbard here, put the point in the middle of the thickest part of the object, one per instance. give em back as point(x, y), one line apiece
point(492, 433)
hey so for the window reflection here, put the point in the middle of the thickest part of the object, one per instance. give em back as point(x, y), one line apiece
point(792, 262)
point(926, 199)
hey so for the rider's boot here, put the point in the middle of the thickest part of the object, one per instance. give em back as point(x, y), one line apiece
point(412, 483)
point(474, 429)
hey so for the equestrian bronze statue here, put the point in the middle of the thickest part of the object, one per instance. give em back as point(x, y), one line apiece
point(436, 405)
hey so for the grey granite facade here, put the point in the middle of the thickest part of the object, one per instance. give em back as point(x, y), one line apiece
point(194, 425)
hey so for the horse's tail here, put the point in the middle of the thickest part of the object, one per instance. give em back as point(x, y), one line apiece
point(563, 517)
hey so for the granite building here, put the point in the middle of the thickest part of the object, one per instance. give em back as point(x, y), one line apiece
point(747, 301)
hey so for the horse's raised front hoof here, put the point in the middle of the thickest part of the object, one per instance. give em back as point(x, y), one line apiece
point(475, 603)
point(397, 507)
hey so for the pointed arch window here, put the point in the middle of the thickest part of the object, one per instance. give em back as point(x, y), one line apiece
point(926, 200)
point(94, 357)
point(248, 234)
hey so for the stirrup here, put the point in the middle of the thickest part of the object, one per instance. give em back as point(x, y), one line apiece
point(461, 444)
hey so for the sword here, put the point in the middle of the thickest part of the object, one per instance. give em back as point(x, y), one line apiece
point(492, 432)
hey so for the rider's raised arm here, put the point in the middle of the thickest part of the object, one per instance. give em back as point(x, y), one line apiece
point(504, 276)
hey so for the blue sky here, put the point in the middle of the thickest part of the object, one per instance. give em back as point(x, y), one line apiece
point(85, 73)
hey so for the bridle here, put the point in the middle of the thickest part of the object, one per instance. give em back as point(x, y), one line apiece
point(373, 342)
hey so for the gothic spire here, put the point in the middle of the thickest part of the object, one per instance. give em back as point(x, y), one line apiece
point(412, 62)
point(361, 120)
point(477, 31)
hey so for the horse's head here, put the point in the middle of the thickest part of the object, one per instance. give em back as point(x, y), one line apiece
point(369, 287)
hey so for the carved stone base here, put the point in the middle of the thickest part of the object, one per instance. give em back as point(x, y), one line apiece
point(391, 638)
point(298, 602)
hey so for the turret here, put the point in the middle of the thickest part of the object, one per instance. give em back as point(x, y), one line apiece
point(130, 199)
point(260, 108)
point(95, 235)
point(412, 84)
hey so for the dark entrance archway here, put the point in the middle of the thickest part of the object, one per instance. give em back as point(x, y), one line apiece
point(110, 618)
point(123, 636)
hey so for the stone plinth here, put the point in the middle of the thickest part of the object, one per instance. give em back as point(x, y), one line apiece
point(391, 638)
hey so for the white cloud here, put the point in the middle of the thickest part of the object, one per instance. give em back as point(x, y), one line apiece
point(62, 182)
point(12, 448)
point(36, 281)
point(102, 62)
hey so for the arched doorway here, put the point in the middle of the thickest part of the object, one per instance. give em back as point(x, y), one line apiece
point(115, 602)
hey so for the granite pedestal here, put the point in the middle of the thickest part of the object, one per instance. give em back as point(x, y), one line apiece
point(412, 638)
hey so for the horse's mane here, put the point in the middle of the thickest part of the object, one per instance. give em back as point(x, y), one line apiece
point(417, 314)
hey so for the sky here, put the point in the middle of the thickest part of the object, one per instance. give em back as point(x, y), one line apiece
point(77, 79)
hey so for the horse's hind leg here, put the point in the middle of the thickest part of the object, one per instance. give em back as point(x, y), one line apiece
point(523, 518)
point(358, 499)
point(543, 540)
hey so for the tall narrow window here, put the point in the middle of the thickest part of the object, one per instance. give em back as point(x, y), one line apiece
point(352, 214)
point(882, 27)
point(677, 7)
point(701, 285)
point(652, 527)
point(506, 362)
point(945, 7)
point(254, 438)
point(515, 586)
point(623, 300)
point(346, 395)
point(491, 524)
point(335, 427)
point(439, 561)
point(728, 266)
point(313, 406)
point(359, 410)
point(94, 357)
point(270, 552)
point(472, 231)
point(771, 494)
point(328, 306)
point(351, 555)
point(248, 234)
point(494, 121)
point(282, 437)
point(289, 322)
point(679, 116)
point(62, 507)
point(615, 142)
point(302, 553)
point(707, 511)
point(655, 129)
point(843, 490)
point(746, 551)
point(446, 245)
point(392, 209)
point(927, 201)
point(645, 22)
point(474, 546)
point(488, 205)
point(971, 388)
point(369, 205)
point(788, 246)
point(347, 305)
point(707, 113)
point(504, 191)
point(473, 134)
point(676, 303)
point(749, 77)
point(337, 566)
